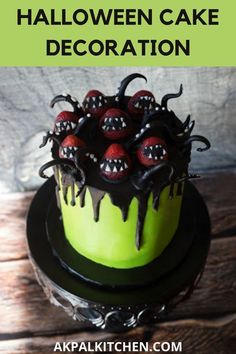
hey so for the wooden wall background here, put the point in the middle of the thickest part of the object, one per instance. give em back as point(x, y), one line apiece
point(209, 95)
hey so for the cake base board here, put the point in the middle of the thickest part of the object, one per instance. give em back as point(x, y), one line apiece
point(104, 307)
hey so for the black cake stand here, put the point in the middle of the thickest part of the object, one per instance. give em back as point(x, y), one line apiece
point(113, 299)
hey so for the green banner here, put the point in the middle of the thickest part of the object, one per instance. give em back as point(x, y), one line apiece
point(118, 33)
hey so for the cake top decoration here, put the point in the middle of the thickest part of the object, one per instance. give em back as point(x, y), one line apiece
point(120, 143)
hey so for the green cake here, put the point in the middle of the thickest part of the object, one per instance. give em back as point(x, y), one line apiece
point(120, 163)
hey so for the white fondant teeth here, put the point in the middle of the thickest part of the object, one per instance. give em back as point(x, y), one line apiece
point(114, 166)
point(67, 125)
point(93, 102)
point(114, 123)
point(155, 152)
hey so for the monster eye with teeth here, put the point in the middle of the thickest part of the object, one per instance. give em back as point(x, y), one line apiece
point(115, 164)
point(152, 151)
point(141, 102)
point(66, 121)
point(70, 145)
point(95, 103)
point(115, 124)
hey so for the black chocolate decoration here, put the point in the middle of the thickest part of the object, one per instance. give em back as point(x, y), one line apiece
point(83, 169)
point(66, 98)
point(96, 196)
point(125, 82)
point(166, 98)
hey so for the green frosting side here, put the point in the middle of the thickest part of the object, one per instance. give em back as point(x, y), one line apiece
point(111, 241)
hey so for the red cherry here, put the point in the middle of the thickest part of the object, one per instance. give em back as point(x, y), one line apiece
point(95, 103)
point(66, 121)
point(141, 102)
point(152, 151)
point(115, 124)
point(69, 146)
point(116, 163)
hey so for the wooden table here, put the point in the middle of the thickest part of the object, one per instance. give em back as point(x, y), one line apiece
point(206, 323)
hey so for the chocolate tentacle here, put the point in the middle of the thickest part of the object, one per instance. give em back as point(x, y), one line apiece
point(56, 162)
point(190, 127)
point(186, 123)
point(66, 98)
point(49, 136)
point(140, 182)
point(82, 122)
point(125, 82)
point(157, 124)
point(167, 97)
point(200, 138)
point(186, 178)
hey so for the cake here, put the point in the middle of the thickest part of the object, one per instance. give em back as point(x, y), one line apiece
point(120, 164)
point(118, 236)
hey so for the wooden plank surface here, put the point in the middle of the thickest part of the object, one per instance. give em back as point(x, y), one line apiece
point(197, 336)
point(25, 310)
point(30, 324)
